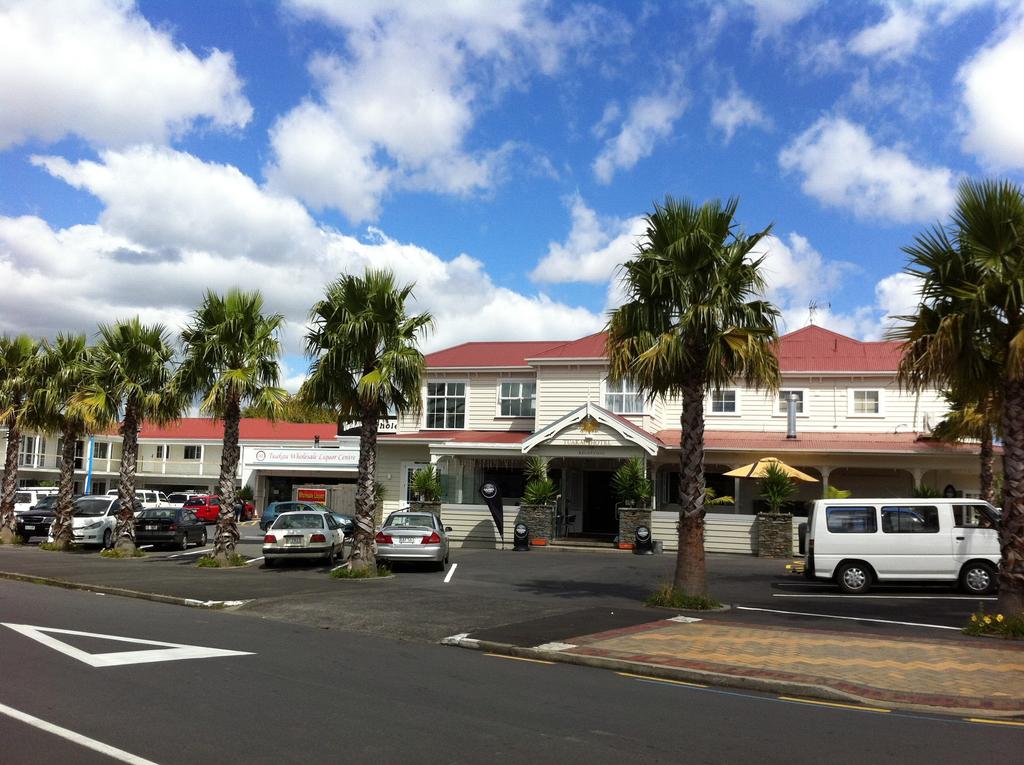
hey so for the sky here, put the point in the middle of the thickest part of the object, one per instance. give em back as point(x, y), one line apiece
point(501, 154)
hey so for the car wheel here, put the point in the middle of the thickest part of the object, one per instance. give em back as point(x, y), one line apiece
point(978, 578)
point(854, 578)
point(183, 544)
point(203, 538)
point(108, 539)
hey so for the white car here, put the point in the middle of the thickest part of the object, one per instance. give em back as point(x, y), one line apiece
point(305, 535)
point(94, 520)
point(25, 499)
point(148, 497)
point(179, 498)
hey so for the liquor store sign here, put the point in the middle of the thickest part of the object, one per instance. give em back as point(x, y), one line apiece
point(256, 458)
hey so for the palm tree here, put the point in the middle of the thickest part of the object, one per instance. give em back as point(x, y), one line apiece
point(16, 383)
point(365, 362)
point(693, 320)
point(55, 407)
point(130, 377)
point(969, 326)
point(230, 352)
point(974, 421)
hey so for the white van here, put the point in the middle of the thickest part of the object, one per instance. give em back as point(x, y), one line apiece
point(148, 497)
point(857, 542)
point(25, 498)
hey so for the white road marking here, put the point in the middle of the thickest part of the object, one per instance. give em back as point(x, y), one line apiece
point(146, 547)
point(846, 618)
point(253, 560)
point(683, 619)
point(214, 603)
point(888, 597)
point(343, 565)
point(166, 652)
point(76, 738)
point(191, 552)
point(451, 573)
point(556, 646)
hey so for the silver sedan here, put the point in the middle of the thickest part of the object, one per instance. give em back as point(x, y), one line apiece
point(413, 537)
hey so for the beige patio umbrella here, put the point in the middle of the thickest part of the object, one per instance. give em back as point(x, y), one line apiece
point(757, 470)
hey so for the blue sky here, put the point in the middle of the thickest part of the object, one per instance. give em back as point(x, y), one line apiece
point(501, 153)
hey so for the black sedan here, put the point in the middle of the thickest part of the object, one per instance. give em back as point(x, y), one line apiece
point(173, 526)
point(36, 522)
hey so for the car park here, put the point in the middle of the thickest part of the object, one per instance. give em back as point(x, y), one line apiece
point(206, 507)
point(35, 522)
point(860, 542)
point(274, 509)
point(312, 534)
point(170, 526)
point(414, 537)
point(28, 497)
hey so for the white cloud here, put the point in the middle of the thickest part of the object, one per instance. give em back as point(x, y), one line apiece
point(173, 226)
point(594, 248)
point(650, 119)
point(397, 108)
point(842, 167)
point(993, 101)
point(773, 16)
point(99, 70)
point(894, 37)
point(735, 111)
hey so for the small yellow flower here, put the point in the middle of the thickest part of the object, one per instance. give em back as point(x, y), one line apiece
point(988, 620)
point(999, 618)
point(974, 617)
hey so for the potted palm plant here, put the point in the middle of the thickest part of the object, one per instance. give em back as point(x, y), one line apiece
point(537, 509)
point(775, 527)
point(634, 490)
point(426, 487)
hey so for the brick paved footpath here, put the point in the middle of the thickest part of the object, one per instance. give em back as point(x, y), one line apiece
point(970, 674)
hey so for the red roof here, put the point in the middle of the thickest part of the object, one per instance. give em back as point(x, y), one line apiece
point(487, 354)
point(249, 429)
point(810, 349)
point(461, 436)
point(742, 440)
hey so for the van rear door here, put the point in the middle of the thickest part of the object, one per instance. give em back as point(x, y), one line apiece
point(974, 534)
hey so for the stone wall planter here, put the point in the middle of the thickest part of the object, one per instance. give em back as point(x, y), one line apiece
point(425, 507)
point(774, 535)
point(540, 520)
point(629, 519)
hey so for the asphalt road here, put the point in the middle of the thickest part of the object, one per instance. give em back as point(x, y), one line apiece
point(314, 695)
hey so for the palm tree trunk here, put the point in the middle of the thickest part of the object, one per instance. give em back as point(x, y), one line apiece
point(9, 486)
point(227, 526)
point(691, 576)
point(125, 530)
point(65, 490)
point(987, 457)
point(1011, 528)
point(362, 554)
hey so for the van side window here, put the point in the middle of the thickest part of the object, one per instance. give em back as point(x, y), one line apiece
point(910, 520)
point(851, 520)
point(971, 517)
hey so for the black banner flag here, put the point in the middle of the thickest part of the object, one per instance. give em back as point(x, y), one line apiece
point(489, 491)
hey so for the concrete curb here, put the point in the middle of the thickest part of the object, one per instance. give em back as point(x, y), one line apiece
point(120, 591)
point(718, 679)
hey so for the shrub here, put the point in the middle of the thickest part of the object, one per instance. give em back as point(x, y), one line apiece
point(113, 552)
point(631, 484)
point(540, 490)
point(426, 484)
point(367, 572)
point(776, 487)
point(833, 492)
point(668, 597)
point(996, 625)
point(234, 561)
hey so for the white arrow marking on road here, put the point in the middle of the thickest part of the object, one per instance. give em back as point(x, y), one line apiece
point(164, 652)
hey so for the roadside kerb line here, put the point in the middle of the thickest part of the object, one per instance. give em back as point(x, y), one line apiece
point(75, 738)
point(856, 707)
point(987, 721)
point(647, 679)
point(518, 658)
point(451, 573)
point(101, 589)
point(846, 618)
point(883, 597)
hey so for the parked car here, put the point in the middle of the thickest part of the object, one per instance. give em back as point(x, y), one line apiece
point(95, 520)
point(858, 542)
point(274, 509)
point(35, 522)
point(148, 497)
point(412, 536)
point(170, 525)
point(303, 534)
point(206, 507)
point(28, 497)
point(347, 523)
point(179, 498)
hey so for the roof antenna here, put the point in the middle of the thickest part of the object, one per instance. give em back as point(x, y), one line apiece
point(812, 309)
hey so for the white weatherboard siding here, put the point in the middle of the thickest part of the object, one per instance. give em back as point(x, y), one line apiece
point(722, 533)
point(473, 527)
point(481, 401)
point(561, 390)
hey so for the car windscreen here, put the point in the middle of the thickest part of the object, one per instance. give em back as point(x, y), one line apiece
point(299, 521)
point(411, 520)
point(177, 497)
point(197, 502)
point(166, 513)
point(47, 502)
point(89, 508)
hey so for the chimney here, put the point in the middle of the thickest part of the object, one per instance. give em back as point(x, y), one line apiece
point(791, 415)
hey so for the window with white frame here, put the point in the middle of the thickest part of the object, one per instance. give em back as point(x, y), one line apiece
point(161, 451)
point(193, 453)
point(32, 451)
point(783, 405)
point(724, 401)
point(446, 405)
point(864, 402)
point(518, 399)
point(100, 450)
point(622, 397)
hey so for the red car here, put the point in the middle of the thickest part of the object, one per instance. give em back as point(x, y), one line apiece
point(206, 507)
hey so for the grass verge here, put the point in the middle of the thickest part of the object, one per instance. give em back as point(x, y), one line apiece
point(113, 552)
point(996, 625)
point(360, 573)
point(234, 561)
point(668, 597)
